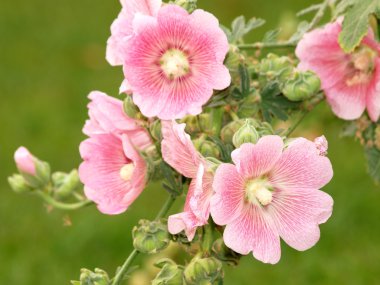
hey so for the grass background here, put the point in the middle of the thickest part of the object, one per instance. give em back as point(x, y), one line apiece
point(51, 57)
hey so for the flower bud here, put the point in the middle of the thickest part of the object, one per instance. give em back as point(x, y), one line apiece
point(87, 277)
point(205, 122)
point(249, 107)
point(203, 271)
point(246, 134)
point(155, 130)
point(130, 109)
point(275, 67)
point(18, 184)
point(170, 274)
point(302, 86)
point(206, 148)
point(67, 184)
point(35, 172)
point(192, 124)
point(225, 254)
point(230, 129)
point(150, 236)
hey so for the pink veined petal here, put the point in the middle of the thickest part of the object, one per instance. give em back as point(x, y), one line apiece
point(125, 87)
point(254, 231)
point(373, 96)
point(228, 199)
point(178, 150)
point(301, 167)
point(200, 200)
point(297, 214)
point(347, 102)
point(105, 205)
point(255, 160)
point(185, 221)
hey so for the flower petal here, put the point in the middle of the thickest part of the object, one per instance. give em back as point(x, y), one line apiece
point(373, 96)
point(255, 160)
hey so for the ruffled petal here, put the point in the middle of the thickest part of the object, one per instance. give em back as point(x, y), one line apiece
point(228, 199)
point(254, 160)
point(254, 231)
point(301, 167)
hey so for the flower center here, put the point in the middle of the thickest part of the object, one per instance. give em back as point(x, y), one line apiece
point(363, 62)
point(259, 191)
point(126, 171)
point(174, 63)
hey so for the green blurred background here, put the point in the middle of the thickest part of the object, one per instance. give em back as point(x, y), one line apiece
point(51, 57)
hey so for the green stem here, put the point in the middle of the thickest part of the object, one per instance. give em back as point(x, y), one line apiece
point(313, 103)
point(260, 45)
point(60, 205)
point(124, 268)
point(207, 239)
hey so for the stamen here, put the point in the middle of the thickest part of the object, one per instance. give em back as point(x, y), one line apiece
point(175, 64)
point(126, 171)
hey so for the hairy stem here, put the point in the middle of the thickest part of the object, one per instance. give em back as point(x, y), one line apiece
point(124, 268)
point(60, 205)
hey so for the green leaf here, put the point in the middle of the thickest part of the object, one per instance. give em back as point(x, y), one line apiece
point(302, 28)
point(309, 9)
point(356, 23)
point(245, 80)
point(273, 104)
point(271, 36)
point(240, 28)
point(373, 159)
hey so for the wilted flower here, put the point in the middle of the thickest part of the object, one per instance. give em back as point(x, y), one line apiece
point(174, 61)
point(179, 152)
point(351, 81)
point(271, 192)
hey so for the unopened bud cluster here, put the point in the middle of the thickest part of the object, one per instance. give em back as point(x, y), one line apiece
point(150, 236)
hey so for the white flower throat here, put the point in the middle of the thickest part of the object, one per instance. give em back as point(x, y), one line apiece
point(363, 63)
point(126, 171)
point(259, 191)
point(174, 64)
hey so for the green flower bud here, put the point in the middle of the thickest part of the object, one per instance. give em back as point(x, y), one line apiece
point(275, 67)
point(223, 253)
point(249, 107)
point(205, 122)
point(302, 86)
point(230, 129)
point(170, 274)
point(18, 184)
point(155, 130)
point(206, 148)
point(192, 124)
point(203, 271)
point(130, 109)
point(265, 129)
point(150, 236)
point(246, 134)
point(98, 277)
point(66, 185)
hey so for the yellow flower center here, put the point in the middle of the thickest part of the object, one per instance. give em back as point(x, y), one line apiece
point(258, 191)
point(126, 171)
point(174, 64)
point(363, 63)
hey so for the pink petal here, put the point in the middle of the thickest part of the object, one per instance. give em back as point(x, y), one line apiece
point(297, 214)
point(255, 160)
point(185, 221)
point(228, 199)
point(301, 167)
point(373, 96)
point(254, 231)
point(25, 161)
point(178, 150)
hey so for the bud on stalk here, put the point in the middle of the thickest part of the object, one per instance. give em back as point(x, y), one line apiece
point(203, 271)
point(246, 134)
point(150, 236)
point(302, 86)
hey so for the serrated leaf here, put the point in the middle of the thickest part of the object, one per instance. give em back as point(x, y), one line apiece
point(239, 27)
point(227, 31)
point(252, 24)
point(356, 23)
point(273, 104)
point(373, 159)
point(302, 28)
point(309, 9)
point(342, 7)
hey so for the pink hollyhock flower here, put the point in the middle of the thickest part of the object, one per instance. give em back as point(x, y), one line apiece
point(179, 152)
point(351, 81)
point(113, 172)
point(25, 161)
point(107, 116)
point(122, 29)
point(174, 62)
point(271, 192)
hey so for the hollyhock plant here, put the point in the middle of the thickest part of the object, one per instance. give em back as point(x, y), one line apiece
point(122, 28)
point(113, 172)
point(25, 161)
point(179, 152)
point(271, 192)
point(174, 61)
point(351, 81)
